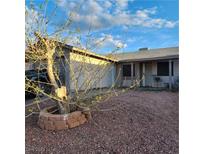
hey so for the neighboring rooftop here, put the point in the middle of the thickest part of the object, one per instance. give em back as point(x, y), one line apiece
point(148, 54)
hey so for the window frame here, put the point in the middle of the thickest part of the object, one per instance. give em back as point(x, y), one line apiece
point(130, 69)
point(159, 73)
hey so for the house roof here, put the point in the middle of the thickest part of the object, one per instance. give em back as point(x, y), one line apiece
point(78, 51)
point(89, 53)
point(141, 55)
point(151, 54)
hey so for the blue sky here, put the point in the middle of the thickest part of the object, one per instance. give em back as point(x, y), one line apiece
point(129, 24)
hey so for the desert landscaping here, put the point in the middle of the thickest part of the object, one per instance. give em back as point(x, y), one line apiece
point(133, 122)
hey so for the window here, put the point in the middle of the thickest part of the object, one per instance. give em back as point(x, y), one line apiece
point(172, 68)
point(163, 68)
point(126, 70)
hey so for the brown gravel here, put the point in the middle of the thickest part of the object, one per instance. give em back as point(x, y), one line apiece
point(141, 123)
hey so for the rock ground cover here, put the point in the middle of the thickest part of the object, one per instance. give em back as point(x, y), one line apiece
point(135, 122)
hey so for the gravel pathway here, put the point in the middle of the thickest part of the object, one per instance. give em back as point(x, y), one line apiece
point(140, 123)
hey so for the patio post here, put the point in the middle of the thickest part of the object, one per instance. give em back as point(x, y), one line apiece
point(143, 72)
point(170, 74)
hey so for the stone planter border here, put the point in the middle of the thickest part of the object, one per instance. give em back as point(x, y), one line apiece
point(49, 121)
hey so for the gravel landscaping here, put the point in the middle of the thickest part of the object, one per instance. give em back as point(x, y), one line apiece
point(136, 122)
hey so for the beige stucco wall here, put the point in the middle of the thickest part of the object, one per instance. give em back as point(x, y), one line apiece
point(137, 70)
point(148, 74)
point(88, 73)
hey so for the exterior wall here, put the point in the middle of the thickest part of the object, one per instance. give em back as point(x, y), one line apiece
point(176, 68)
point(88, 73)
point(83, 72)
point(137, 70)
point(127, 81)
point(150, 73)
point(175, 80)
point(164, 79)
point(118, 74)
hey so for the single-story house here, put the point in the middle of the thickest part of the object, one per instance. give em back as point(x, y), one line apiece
point(153, 67)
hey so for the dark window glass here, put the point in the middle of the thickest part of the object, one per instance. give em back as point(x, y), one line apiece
point(172, 68)
point(126, 70)
point(163, 68)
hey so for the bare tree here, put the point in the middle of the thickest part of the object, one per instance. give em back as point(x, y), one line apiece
point(46, 50)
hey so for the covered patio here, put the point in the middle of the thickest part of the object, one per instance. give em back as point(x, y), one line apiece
point(152, 68)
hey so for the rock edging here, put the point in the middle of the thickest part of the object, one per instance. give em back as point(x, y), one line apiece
point(50, 121)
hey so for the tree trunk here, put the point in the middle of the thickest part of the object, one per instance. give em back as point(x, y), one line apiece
point(63, 107)
point(50, 48)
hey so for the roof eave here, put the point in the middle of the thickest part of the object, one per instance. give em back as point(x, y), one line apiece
point(150, 59)
point(88, 53)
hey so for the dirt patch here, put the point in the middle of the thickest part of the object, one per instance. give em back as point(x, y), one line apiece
point(139, 122)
